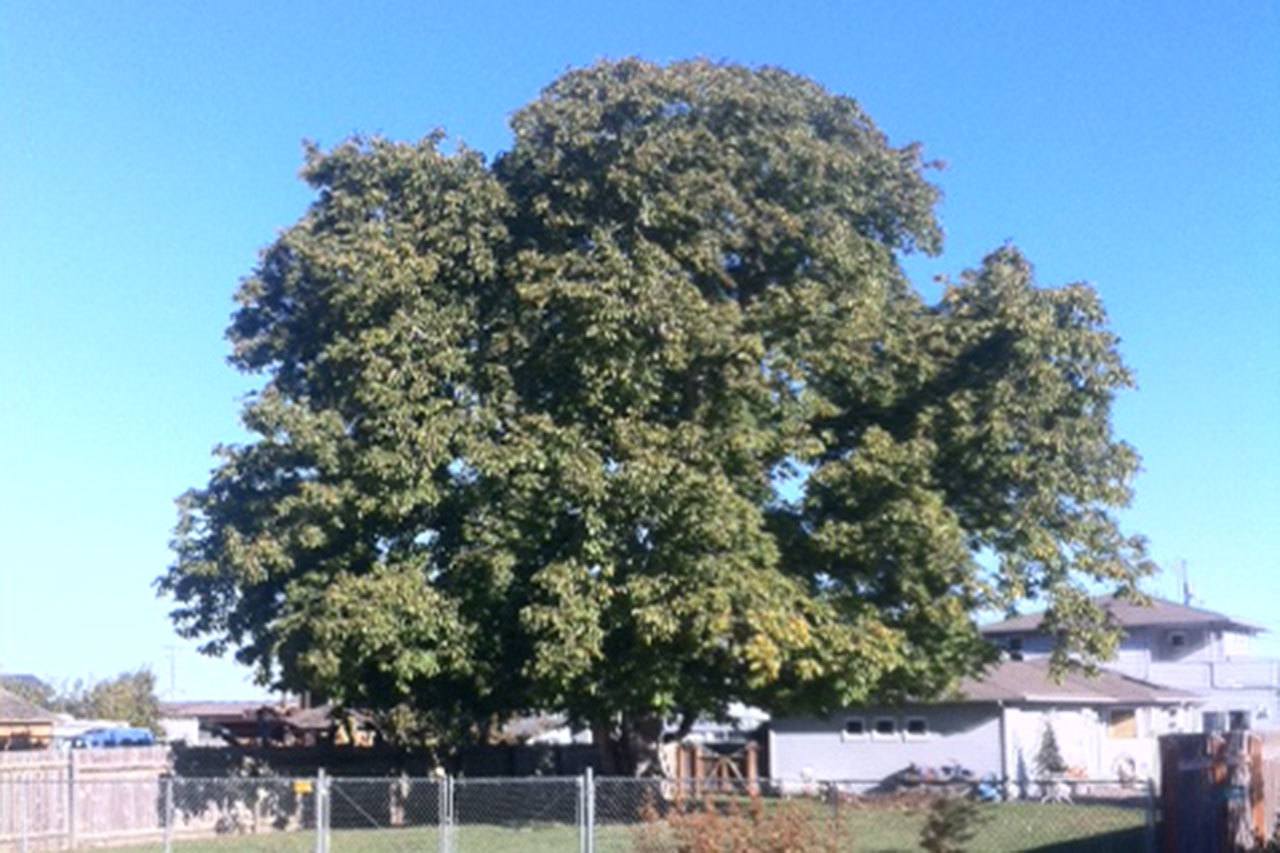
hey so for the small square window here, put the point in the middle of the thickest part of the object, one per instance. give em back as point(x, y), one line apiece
point(917, 727)
point(886, 727)
point(855, 727)
point(1238, 721)
point(1177, 640)
point(1122, 723)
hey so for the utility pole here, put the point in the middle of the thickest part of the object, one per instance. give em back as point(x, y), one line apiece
point(172, 652)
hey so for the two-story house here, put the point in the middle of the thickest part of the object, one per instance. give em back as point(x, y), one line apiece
point(1175, 645)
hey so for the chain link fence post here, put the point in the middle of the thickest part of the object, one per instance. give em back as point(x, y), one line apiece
point(589, 811)
point(320, 807)
point(444, 839)
point(1151, 816)
point(441, 806)
point(168, 814)
point(580, 813)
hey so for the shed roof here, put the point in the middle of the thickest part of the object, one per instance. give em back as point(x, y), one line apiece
point(1160, 613)
point(212, 709)
point(15, 709)
point(1032, 682)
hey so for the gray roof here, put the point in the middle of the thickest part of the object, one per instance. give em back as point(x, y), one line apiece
point(14, 680)
point(219, 709)
point(1127, 614)
point(1031, 682)
point(15, 709)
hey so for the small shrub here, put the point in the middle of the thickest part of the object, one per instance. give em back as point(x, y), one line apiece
point(951, 823)
point(735, 826)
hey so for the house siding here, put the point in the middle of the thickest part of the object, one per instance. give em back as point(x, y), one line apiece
point(1214, 664)
point(816, 748)
point(1084, 740)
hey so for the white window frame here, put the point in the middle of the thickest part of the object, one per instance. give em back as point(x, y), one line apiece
point(846, 736)
point(1137, 723)
point(906, 728)
point(1220, 717)
point(876, 734)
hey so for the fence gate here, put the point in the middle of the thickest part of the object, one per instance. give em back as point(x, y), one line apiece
point(388, 814)
point(516, 815)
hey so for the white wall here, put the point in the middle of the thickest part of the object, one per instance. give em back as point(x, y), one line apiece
point(814, 748)
point(1084, 740)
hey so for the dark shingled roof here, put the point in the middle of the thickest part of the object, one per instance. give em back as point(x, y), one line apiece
point(18, 680)
point(1161, 613)
point(15, 709)
point(218, 709)
point(1030, 681)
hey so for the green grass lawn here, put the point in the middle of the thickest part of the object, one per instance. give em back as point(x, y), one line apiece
point(1050, 828)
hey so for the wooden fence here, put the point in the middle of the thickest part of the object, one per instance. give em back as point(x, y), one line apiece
point(61, 798)
point(1220, 793)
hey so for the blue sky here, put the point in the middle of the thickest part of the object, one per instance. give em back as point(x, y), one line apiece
point(149, 150)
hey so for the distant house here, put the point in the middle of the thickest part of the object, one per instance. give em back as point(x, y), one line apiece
point(1106, 728)
point(1176, 645)
point(251, 724)
point(209, 723)
point(22, 724)
point(24, 683)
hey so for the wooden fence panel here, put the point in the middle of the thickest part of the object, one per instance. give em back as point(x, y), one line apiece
point(58, 798)
point(1220, 792)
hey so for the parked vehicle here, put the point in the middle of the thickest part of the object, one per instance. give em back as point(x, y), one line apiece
point(122, 736)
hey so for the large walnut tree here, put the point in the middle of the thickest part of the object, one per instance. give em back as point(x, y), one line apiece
point(643, 417)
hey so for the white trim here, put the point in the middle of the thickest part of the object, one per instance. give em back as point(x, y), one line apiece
point(847, 737)
point(906, 728)
point(1137, 723)
point(876, 734)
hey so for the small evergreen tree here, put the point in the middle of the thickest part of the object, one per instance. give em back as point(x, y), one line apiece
point(951, 822)
point(1049, 759)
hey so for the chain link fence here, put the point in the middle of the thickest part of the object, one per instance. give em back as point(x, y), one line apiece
point(573, 814)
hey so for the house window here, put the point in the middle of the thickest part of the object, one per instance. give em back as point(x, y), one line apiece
point(886, 728)
point(1015, 648)
point(1122, 723)
point(917, 727)
point(855, 728)
point(1213, 721)
point(1177, 640)
point(1238, 721)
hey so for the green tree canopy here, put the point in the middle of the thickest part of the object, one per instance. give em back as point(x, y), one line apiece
point(643, 417)
point(130, 696)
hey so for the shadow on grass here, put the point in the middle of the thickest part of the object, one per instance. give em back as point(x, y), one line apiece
point(1120, 841)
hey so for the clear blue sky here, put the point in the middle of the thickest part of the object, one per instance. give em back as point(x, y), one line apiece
point(149, 150)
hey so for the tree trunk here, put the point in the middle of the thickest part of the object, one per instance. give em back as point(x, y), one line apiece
point(631, 747)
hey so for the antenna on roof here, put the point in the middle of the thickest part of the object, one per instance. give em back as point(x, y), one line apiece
point(1185, 583)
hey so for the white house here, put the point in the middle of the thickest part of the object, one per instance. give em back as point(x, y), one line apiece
point(1106, 728)
point(1176, 645)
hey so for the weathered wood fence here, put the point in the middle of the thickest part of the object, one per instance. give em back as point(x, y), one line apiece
point(61, 798)
point(1220, 793)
